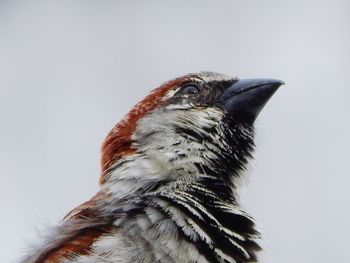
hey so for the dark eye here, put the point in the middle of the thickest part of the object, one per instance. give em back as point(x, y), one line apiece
point(190, 89)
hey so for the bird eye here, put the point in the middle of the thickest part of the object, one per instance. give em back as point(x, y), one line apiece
point(190, 89)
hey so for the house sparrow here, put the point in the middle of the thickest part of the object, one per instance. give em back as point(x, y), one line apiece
point(169, 180)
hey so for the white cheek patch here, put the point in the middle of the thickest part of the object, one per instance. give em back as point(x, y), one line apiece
point(163, 143)
point(163, 152)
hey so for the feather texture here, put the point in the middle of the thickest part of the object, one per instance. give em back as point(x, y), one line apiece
point(168, 185)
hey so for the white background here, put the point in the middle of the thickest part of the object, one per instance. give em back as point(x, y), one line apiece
point(69, 70)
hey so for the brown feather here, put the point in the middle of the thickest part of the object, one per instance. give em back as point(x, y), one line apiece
point(78, 244)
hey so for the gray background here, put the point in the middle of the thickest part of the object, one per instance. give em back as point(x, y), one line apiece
point(69, 70)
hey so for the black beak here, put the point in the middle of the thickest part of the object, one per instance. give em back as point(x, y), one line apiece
point(246, 98)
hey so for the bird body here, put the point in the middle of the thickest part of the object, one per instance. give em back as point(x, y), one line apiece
point(169, 180)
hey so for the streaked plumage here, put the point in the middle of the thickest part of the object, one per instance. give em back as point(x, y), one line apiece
point(168, 183)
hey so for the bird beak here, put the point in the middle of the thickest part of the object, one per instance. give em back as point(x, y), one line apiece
point(246, 98)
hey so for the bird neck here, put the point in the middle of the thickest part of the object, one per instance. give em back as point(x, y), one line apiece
point(201, 211)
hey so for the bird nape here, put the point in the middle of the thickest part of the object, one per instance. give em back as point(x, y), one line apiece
point(169, 179)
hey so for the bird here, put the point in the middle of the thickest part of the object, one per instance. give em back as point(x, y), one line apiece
point(170, 172)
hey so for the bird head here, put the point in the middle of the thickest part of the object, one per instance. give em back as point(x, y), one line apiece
point(195, 125)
